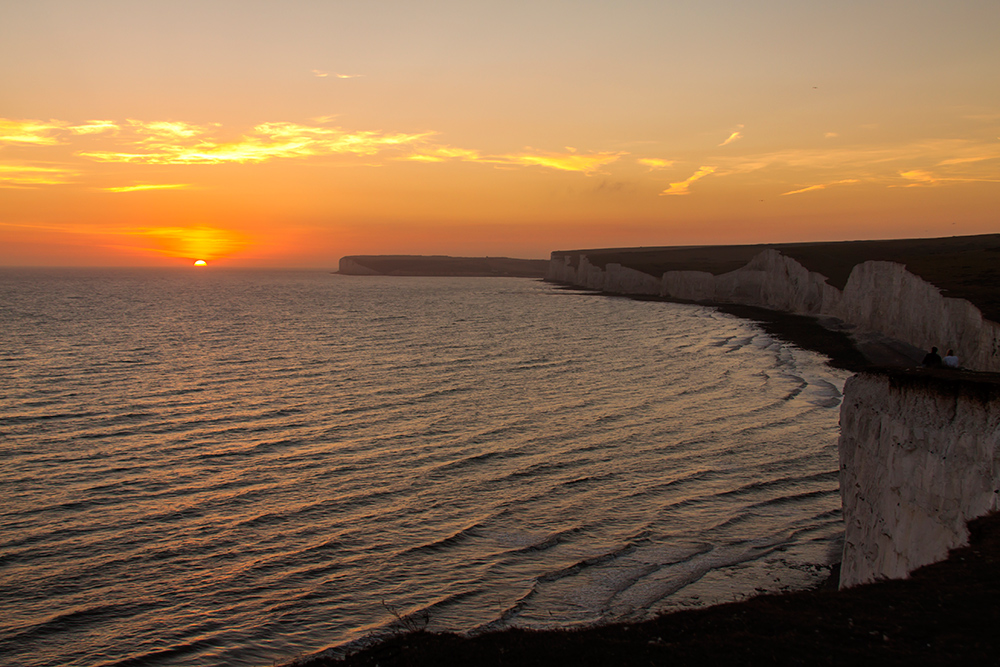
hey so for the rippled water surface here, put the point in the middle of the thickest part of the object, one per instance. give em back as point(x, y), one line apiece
point(205, 467)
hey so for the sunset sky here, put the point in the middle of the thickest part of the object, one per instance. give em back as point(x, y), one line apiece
point(252, 133)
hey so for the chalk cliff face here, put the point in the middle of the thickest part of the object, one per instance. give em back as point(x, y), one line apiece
point(919, 451)
point(879, 297)
point(886, 298)
point(919, 457)
point(350, 267)
point(770, 280)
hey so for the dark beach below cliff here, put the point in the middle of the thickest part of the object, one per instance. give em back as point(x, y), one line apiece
point(825, 336)
point(945, 614)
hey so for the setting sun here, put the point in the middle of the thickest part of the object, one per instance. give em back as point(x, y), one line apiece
point(685, 130)
point(200, 262)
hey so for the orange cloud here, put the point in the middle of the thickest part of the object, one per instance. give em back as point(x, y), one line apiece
point(683, 187)
point(923, 178)
point(148, 186)
point(321, 74)
point(655, 163)
point(178, 142)
point(562, 161)
point(570, 161)
point(821, 186)
point(966, 160)
point(181, 143)
point(442, 153)
point(16, 175)
point(94, 127)
point(735, 136)
point(168, 130)
point(37, 132)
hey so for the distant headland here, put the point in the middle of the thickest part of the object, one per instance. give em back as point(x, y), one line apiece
point(441, 265)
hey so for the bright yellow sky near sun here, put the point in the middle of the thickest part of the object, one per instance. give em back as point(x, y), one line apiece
point(254, 133)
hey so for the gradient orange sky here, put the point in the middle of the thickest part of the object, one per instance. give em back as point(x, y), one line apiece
point(252, 133)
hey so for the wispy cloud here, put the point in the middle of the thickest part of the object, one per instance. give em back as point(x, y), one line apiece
point(179, 143)
point(586, 163)
point(444, 153)
point(683, 187)
point(21, 176)
point(964, 160)
point(37, 132)
point(148, 186)
point(735, 136)
point(570, 161)
point(821, 186)
point(94, 127)
point(655, 163)
point(323, 74)
point(921, 178)
point(169, 130)
point(176, 142)
point(967, 160)
point(171, 142)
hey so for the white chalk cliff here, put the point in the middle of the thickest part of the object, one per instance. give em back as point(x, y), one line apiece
point(880, 297)
point(919, 457)
point(919, 454)
point(350, 267)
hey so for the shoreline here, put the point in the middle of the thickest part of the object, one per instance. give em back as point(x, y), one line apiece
point(409, 645)
point(945, 613)
point(807, 332)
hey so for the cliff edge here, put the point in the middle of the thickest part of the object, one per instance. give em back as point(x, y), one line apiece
point(919, 458)
point(920, 292)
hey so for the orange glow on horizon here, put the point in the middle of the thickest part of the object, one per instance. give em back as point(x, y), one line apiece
point(691, 126)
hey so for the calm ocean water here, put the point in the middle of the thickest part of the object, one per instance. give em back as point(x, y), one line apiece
point(210, 467)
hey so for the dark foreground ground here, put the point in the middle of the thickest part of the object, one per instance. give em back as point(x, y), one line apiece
point(946, 614)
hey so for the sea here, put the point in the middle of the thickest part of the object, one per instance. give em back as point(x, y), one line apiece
point(232, 467)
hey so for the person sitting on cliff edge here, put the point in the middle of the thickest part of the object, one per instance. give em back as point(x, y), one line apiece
point(932, 359)
point(950, 360)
